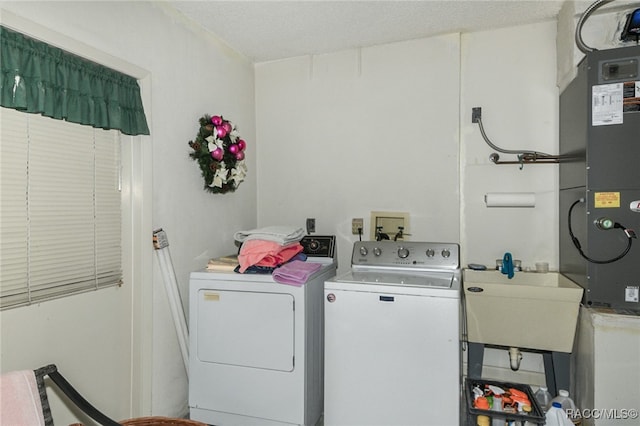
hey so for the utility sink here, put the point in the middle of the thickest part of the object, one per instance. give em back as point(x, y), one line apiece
point(531, 310)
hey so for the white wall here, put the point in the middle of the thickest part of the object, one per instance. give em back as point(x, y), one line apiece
point(511, 74)
point(373, 129)
point(389, 128)
point(88, 338)
point(191, 73)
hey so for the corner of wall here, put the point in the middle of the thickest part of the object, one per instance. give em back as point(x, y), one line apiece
point(565, 45)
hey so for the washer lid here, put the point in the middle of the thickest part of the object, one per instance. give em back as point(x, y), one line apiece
point(399, 278)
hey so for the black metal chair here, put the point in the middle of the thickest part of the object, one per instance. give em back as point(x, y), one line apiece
point(52, 372)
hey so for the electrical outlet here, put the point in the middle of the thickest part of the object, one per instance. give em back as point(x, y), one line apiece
point(311, 225)
point(355, 224)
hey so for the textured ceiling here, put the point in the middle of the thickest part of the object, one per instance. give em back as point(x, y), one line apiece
point(268, 30)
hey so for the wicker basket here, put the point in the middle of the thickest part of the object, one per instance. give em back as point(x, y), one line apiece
point(160, 421)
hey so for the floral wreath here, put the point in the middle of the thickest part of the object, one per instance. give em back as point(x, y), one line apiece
point(219, 151)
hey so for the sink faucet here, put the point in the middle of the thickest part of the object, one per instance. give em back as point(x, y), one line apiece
point(507, 265)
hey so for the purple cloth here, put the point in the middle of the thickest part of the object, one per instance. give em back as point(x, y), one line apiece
point(295, 272)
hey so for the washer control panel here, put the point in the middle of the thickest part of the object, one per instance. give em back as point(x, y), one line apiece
point(406, 254)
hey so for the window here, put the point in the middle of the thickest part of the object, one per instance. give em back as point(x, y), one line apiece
point(60, 221)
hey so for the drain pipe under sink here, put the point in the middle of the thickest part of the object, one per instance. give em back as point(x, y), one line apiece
point(515, 356)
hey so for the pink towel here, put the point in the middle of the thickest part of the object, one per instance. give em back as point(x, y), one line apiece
point(295, 272)
point(266, 253)
point(20, 401)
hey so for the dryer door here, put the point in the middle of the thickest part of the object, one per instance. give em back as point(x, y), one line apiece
point(248, 329)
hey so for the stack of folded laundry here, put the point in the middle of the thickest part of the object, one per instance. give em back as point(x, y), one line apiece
point(267, 248)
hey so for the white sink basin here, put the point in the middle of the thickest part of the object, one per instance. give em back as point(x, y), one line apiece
point(531, 310)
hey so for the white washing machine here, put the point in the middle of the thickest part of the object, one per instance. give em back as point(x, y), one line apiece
point(392, 337)
point(256, 346)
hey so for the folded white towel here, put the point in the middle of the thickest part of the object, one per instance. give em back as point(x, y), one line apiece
point(279, 234)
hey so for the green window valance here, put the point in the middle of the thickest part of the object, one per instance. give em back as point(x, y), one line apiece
point(39, 78)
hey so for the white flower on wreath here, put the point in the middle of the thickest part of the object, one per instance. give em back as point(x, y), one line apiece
point(213, 143)
point(239, 172)
point(220, 177)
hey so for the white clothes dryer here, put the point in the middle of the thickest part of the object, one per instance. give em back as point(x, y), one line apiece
point(256, 348)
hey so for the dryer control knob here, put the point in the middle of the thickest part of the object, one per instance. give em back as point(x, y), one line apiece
point(377, 251)
point(430, 253)
point(403, 253)
point(363, 250)
point(446, 253)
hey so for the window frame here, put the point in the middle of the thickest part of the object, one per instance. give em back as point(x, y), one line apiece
point(137, 202)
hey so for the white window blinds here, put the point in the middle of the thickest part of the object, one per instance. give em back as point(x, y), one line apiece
point(60, 222)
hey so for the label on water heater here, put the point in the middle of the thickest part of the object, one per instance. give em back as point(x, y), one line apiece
point(631, 96)
point(606, 200)
point(606, 104)
point(609, 102)
point(632, 294)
